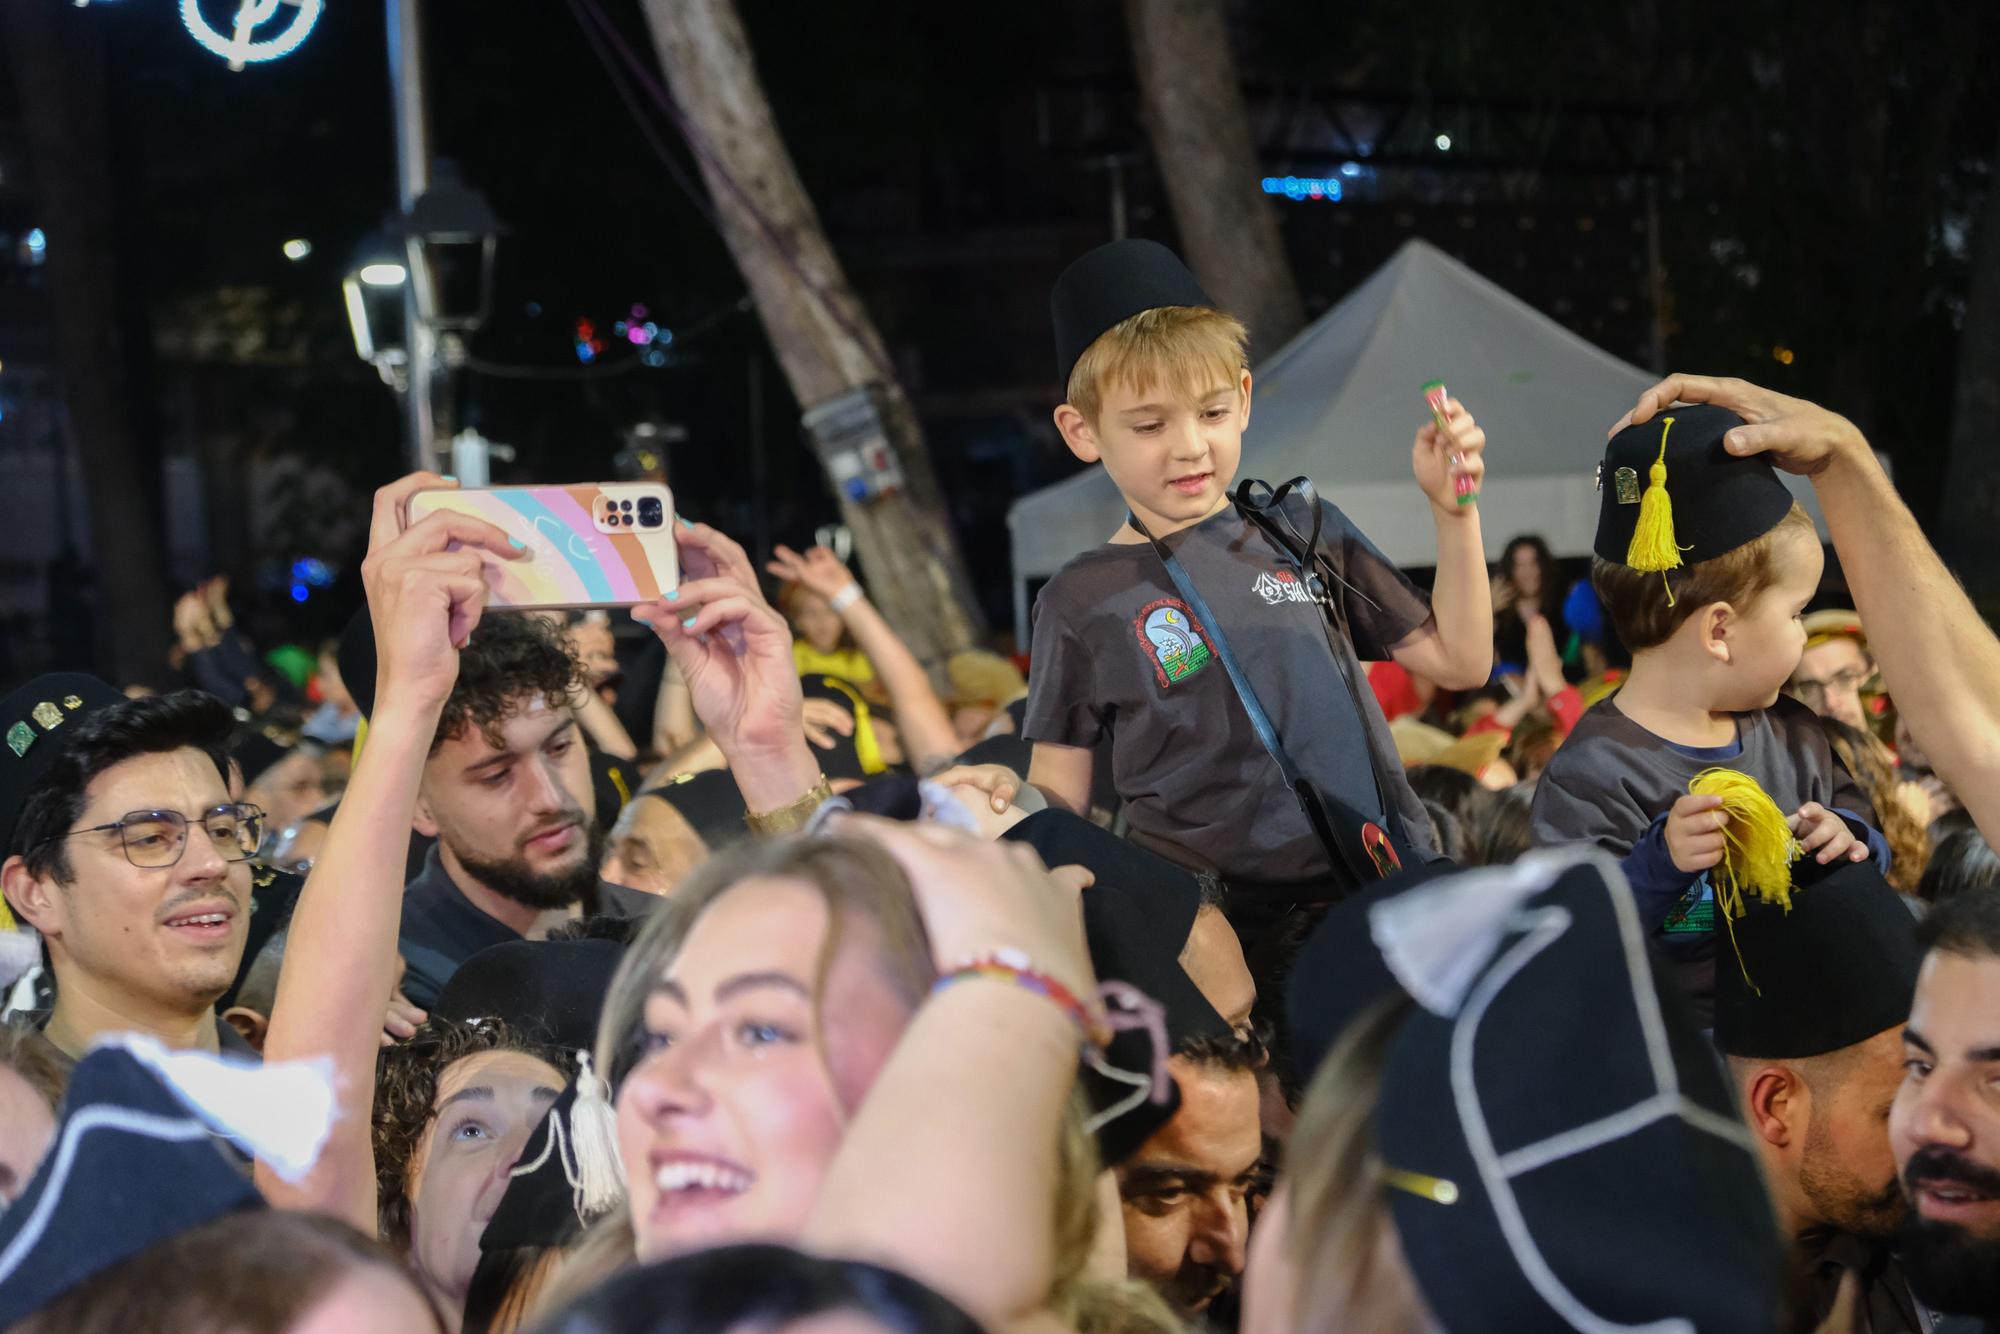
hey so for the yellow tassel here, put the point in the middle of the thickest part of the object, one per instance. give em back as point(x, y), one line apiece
point(1758, 847)
point(1653, 546)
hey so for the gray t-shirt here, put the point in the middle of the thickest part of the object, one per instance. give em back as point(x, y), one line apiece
point(1117, 654)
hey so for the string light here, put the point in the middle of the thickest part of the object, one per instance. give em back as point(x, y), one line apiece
point(238, 49)
point(1311, 188)
point(297, 248)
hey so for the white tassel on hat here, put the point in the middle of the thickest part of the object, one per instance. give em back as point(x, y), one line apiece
point(280, 1114)
point(593, 1134)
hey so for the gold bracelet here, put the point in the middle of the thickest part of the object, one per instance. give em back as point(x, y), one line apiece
point(787, 819)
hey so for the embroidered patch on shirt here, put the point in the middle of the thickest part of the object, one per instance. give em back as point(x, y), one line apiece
point(1275, 586)
point(1177, 645)
point(1694, 914)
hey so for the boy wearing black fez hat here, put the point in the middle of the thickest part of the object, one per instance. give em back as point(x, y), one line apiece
point(1812, 1026)
point(123, 849)
point(1211, 635)
point(1704, 565)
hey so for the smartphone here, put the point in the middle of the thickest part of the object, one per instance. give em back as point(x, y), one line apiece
point(595, 544)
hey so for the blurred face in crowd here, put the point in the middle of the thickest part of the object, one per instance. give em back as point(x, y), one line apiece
point(652, 847)
point(1945, 1131)
point(596, 649)
point(1524, 571)
point(740, 1097)
point(147, 943)
point(1765, 637)
point(516, 817)
point(1213, 961)
point(290, 790)
point(815, 621)
point(1829, 680)
point(1188, 1191)
point(1171, 448)
point(487, 1105)
point(27, 1124)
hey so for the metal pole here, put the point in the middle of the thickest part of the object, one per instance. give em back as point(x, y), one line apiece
point(413, 177)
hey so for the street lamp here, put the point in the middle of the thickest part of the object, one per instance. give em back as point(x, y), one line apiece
point(373, 290)
point(450, 236)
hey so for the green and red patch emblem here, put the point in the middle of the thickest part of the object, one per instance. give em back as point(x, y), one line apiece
point(1173, 640)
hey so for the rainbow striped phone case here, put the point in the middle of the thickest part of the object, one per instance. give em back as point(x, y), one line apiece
point(596, 544)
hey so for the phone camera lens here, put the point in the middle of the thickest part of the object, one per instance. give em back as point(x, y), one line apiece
point(651, 513)
point(624, 504)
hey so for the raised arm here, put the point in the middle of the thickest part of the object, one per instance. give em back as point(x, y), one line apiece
point(1455, 649)
point(975, 1091)
point(341, 960)
point(1938, 657)
point(928, 738)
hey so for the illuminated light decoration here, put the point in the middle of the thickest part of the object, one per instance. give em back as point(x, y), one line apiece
point(35, 245)
point(588, 345)
point(1319, 189)
point(638, 311)
point(312, 572)
point(300, 592)
point(238, 48)
point(297, 248)
point(1783, 355)
point(1350, 169)
point(1443, 142)
point(654, 356)
point(384, 274)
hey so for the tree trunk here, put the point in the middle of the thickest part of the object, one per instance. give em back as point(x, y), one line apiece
point(1195, 117)
point(823, 338)
point(1971, 496)
point(58, 67)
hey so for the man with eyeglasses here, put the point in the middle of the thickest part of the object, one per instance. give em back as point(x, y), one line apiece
point(1834, 668)
point(125, 852)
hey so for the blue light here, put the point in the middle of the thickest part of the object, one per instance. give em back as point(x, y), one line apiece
point(584, 352)
point(1350, 169)
point(37, 241)
point(1308, 188)
point(300, 592)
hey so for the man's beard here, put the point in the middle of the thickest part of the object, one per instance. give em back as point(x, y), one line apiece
point(541, 890)
point(1952, 1269)
point(1841, 1200)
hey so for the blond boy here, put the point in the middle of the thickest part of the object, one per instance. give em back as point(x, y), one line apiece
point(1158, 393)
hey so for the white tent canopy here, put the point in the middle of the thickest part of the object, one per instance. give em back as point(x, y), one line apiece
point(1341, 401)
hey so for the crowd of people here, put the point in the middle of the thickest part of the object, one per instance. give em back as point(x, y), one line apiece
point(1287, 948)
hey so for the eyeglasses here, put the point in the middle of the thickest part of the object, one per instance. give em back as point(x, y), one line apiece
point(156, 839)
point(1846, 680)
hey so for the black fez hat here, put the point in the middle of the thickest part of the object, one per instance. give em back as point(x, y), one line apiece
point(1837, 969)
point(1110, 285)
point(710, 801)
point(1551, 1124)
point(355, 657)
point(1171, 894)
point(611, 780)
point(541, 1205)
point(131, 1165)
point(40, 720)
point(554, 986)
point(1718, 501)
point(274, 896)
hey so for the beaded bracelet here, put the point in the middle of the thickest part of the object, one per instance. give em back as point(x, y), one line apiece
point(1013, 966)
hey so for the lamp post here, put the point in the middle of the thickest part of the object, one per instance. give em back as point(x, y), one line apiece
point(373, 289)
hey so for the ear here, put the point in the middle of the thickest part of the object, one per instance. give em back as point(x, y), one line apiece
point(1773, 1102)
point(1244, 420)
point(421, 818)
point(249, 1025)
point(1716, 622)
point(1077, 433)
point(32, 898)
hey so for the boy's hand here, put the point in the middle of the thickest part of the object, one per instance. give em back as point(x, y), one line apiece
point(818, 570)
point(1820, 830)
point(997, 781)
point(1438, 457)
point(1694, 833)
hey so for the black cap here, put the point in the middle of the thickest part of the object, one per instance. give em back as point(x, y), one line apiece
point(710, 801)
point(1553, 1126)
point(131, 1165)
point(39, 721)
point(540, 1206)
point(1720, 502)
point(1837, 969)
point(1170, 893)
point(1110, 285)
point(556, 987)
point(356, 659)
point(612, 780)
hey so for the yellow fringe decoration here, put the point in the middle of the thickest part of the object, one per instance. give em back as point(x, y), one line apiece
point(1653, 546)
point(1757, 849)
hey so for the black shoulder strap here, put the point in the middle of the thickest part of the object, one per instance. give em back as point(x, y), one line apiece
point(1350, 839)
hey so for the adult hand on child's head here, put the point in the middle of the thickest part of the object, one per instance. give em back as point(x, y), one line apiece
point(1824, 836)
point(1800, 436)
point(427, 589)
point(980, 898)
point(1694, 833)
point(819, 570)
point(1438, 457)
point(735, 655)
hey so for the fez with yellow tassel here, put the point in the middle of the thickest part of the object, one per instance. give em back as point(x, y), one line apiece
point(1670, 495)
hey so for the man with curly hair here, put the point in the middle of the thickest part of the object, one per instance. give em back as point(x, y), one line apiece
point(507, 794)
